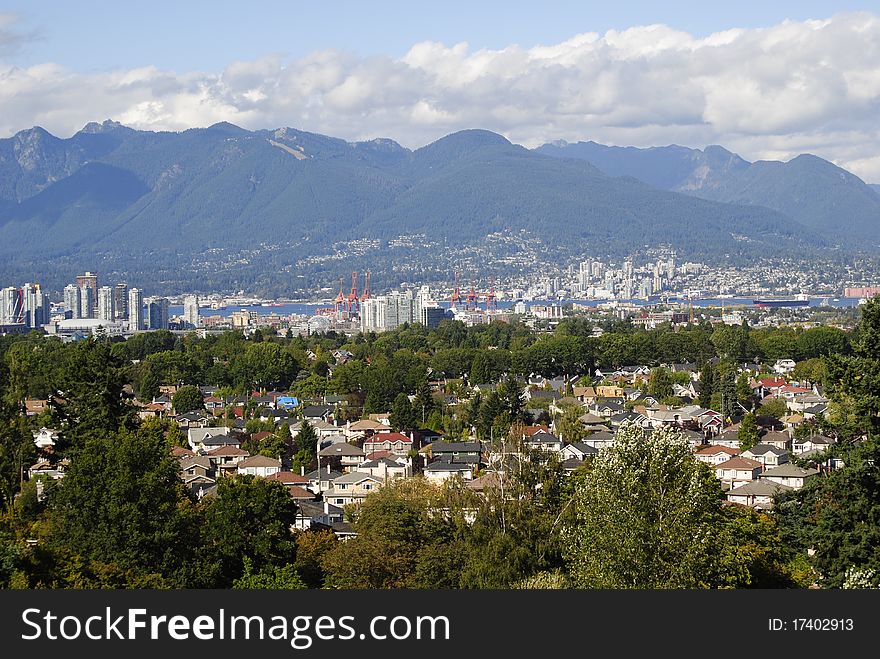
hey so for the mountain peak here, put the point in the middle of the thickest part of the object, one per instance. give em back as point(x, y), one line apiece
point(103, 127)
point(227, 128)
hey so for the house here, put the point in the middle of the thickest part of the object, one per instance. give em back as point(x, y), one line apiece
point(289, 479)
point(226, 458)
point(35, 406)
point(192, 420)
point(259, 465)
point(715, 454)
point(453, 451)
point(784, 366)
point(197, 437)
point(540, 394)
point(346, 455)
point(544, 441)
point(196, 466)
point(812, 443)
point(763, 387)
point(767, 455)
point(211, 442)
point(48, 469)
point(738, 470)
point(322, 479)
point(200, 486)
point(578, 451)
point(351, 488)
point(599, 440)
point(315, 514)
point(385, 469)
point(586, 395)
point(728, 438)
point(440, 471)
point(397, 443)
point(756, 494)
point(46, 438)
point(668, 418)
point(364, 427)
point(314, 412)
point(789, 474)
point(181, 452)
point(287, 402)
point(779, 439)
point(571, 465)
point(299, 493)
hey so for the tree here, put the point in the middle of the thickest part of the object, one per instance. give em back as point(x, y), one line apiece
point(273, 446)
point(187, 399)
point(707, 385)
point(480, 370)
point(122, 503)
point(306, 446)
point(423, 403)
point(92, 402)
point(271, 578)
point(748, 434)
point(774, 407)
point(660, 383)
point(832, 520)
point(643, 515)
point(249, 517)
point(402, 416)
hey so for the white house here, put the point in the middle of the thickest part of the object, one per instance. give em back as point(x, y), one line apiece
point(46, 438)
point(259, 465)
point(440, 471)
point(351, 488)
point(714, 454)
point(784, 366)
point(385, 469)
point(767, 455)
point(738, 470)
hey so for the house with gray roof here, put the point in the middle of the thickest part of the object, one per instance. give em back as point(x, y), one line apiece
point(756, 494)
point(351, 488)
point(767, 454)
point(789, 475)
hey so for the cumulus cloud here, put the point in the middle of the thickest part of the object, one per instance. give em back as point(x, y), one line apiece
point(768, 93)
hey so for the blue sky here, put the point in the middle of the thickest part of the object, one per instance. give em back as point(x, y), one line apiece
point(768, 80)
point(181, 35)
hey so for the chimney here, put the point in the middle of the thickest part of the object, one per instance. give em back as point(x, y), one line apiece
point(302, 470)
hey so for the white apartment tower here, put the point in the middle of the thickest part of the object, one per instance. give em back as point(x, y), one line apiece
point(106, 303)
point(191, 310)
point(73, 300)
point(135, 310)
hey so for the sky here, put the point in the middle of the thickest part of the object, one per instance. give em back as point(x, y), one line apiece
point(767, 80)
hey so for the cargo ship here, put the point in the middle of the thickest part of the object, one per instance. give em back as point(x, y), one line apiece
point(771, 302)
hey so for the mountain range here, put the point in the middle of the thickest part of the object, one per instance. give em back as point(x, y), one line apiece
point(137, 202)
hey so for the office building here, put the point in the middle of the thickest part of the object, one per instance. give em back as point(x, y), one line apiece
point(157, 313)
point(11, 306)
point(120, 299)
point(89, 281)
point(135, 310)
point(35, 306)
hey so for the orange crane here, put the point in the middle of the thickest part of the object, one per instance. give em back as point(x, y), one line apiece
point(353, 304)
point(367, 293)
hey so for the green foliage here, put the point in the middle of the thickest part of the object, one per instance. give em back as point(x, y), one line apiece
point(660, 383)
point(748, 434)
point(403, 416)
point(270, 578)
point(774, 407)
point(250, 517)
point(643, 516)
point(187, 399)
point(836, 516)
point(100, 510)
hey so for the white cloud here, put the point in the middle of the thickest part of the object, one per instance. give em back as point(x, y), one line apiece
point(809, 86)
